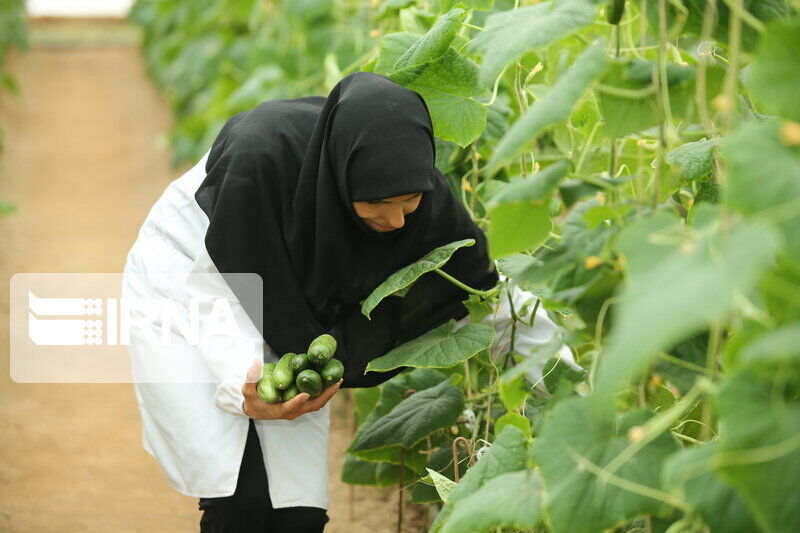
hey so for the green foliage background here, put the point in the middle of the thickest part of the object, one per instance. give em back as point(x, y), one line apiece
point(642, 179)
point(12, 34)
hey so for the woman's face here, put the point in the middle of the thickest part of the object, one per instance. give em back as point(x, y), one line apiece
point(387, 214)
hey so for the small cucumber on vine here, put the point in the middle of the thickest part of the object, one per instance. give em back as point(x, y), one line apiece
point(614, 11)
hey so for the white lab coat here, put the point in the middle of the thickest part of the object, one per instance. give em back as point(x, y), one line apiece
point(197, 431)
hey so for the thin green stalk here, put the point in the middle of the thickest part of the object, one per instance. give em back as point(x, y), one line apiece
point(748, 18)
point(700, 85)
point(714, 342)
point(734, 40)
point(454, 281)
point(630, 486)
point(655, 427)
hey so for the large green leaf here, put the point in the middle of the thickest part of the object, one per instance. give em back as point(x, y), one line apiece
point(393, 46)
point(555, 106)
point(681, 281)
point(442, 347)
point(574, 438)
point(760, 449)
point(765, 178)
point(690, 473)
point(773, 349)
point(519, 213)
point(513, 500)
point(448, 84)
point(694, 160)
point(360, 472)
point(409, 274)
point(391, 393)
point(776, 71)
point(509, 34)
point(508, 453)
point(356, 471)
point(413, 419)
point(434, 43)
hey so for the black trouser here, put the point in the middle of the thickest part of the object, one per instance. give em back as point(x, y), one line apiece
point(250, 510)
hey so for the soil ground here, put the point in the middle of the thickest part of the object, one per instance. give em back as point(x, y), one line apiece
point(84, 159)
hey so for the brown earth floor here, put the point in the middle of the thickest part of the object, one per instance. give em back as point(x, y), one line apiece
point(84, 161)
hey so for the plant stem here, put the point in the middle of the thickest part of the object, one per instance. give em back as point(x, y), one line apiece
point(454, 281)
point(714, 341)
point(400, 492)
point(655, 427)
point(700, 85)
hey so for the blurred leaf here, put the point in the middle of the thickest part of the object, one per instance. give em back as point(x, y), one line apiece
point(513, 419)
point(512, 500)
point(508, 453)
point(772, 351)
point(691, 472)
point(519, 213)
point(7, 208)
point(513, 392)
point(704, 273)
point(765, 177)
point(776, 70)
point(759, 450)
point(576, 501)
point(627, 96)
point(555, 106)
point(694, 159)
point(510, 33)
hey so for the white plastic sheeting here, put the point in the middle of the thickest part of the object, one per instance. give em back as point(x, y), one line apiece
point(78, 8)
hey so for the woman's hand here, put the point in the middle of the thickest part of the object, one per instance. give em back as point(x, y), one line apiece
point(254, 407)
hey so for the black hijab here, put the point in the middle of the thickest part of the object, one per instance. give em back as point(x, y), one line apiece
point(280, 181)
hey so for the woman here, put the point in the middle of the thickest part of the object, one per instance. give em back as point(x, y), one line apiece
point(323, 198)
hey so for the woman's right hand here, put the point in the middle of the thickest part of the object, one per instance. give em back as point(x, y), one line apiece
point(254, 407)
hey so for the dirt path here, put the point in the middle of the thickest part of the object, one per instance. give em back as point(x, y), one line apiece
point(83, 162)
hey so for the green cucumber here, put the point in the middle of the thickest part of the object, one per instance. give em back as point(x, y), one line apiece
point(266, 389)
point(321, 349)
point(282, 376)
point(310, 382)
point(290, 393)
point(300, 363)
point(331, 372)
point(614, 11)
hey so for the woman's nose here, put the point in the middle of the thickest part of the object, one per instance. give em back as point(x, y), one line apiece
point(396, 218)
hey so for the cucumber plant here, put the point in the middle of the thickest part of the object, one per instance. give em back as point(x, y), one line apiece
point(637, 170)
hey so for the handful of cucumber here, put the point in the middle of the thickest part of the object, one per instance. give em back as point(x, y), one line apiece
point(307, 372)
